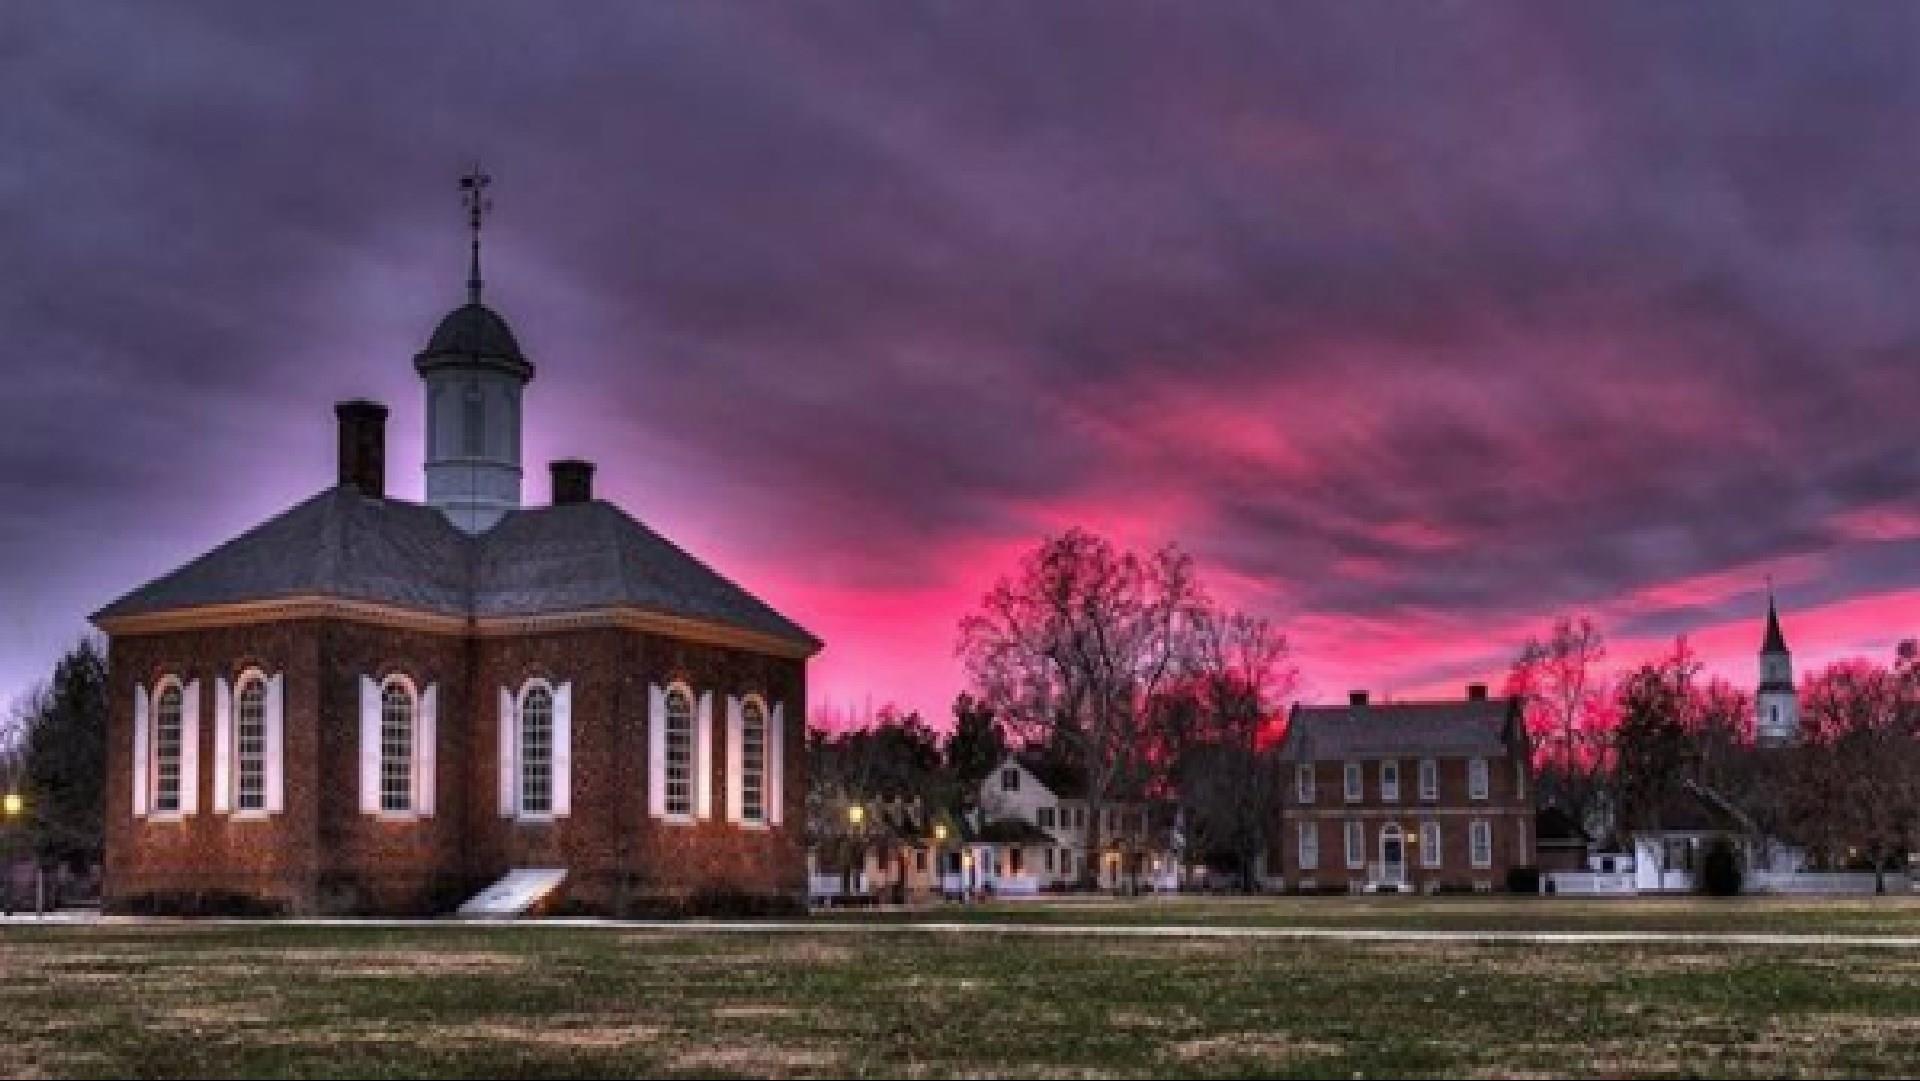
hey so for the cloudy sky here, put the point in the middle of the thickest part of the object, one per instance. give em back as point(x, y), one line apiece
point(1415, 323)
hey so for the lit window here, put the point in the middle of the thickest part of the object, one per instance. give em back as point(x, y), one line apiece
point(679, 752)
point(536, 751)
point(396, 747)
point(166, 750)
point(250, 745)
point(753, 761)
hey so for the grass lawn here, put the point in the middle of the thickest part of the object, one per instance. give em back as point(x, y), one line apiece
point(283, 1001)
point(1890, 915)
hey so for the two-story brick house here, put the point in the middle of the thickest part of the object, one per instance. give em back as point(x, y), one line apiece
point(1405, 796)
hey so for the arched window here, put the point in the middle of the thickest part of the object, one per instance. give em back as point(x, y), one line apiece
point(679, 740)
point(166, 750)
point(753, 760)
point(536, 751)
point(396, 746)
point(250, 744)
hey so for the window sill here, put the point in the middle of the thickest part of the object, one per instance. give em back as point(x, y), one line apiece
point(759, 825)
point(676, 819)
point(545, 819)
point(250, 816)
point(166, 816)
point(397, 817)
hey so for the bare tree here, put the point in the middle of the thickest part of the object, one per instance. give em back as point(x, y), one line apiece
point(1565, 696)
point(1218, 732)
point(1076, 646)
point(1855, 788)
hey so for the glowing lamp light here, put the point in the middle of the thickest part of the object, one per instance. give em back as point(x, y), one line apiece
point(856, 814)
point(939, 831)
point(11, 804)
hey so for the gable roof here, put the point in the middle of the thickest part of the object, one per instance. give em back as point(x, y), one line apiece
point(1063, 780)
point(1461, 727)
point(574, 557)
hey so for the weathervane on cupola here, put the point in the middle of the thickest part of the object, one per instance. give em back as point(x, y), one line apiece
point(473, 195)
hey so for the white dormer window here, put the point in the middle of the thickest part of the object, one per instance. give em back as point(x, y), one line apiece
point(1477, 778)
point(1303, 781)
point(1429, 779)
point(1356, 783)
point(1010, 780)
point(1390, 781)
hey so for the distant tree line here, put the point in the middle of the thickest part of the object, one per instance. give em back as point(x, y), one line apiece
point(53, 755)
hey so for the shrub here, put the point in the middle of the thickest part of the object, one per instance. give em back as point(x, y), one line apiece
point(1523, 880)
point(1720, 874)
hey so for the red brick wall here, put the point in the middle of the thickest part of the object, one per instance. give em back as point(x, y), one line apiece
point(323, 854)
point(1508, 809)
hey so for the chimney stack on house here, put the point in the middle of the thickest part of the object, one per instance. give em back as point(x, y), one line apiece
point(572, 481)
point(1356, 698)
point(363, 446)
point(1476, 692)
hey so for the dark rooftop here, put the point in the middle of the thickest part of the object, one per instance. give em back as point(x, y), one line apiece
point(536, 561)
point(1454, 727)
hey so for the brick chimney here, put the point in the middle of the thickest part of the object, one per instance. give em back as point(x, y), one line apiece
point(572, 481)
point(363, 446)
point(1356, 698)
point(1476, 692)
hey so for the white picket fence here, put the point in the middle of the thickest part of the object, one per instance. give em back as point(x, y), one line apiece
point(1588, 883)
point(1824, 882)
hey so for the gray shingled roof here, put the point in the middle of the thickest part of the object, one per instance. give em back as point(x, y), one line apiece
point(536, 561)
point(1463, 727)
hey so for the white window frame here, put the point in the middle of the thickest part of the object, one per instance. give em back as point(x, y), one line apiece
point(404, 684)
point(1478, 786)
point(1356, 839)
point(1309, 845)
point(684, 813)
point(1390, 780)
point(154, 760)
point(1010, 779)
point(1430, 843)
point(1303, 782)
point(759, 790)
point(1429, 780)
point(522, 774)
point(1355, 782)
point(1480, 843)
point(248, 680)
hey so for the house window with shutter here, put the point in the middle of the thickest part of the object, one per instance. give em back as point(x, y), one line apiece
point(536, 751)
point(250, 744)
point(396, 746)
point(167, 744)
point(753, 760)
point(679, 753)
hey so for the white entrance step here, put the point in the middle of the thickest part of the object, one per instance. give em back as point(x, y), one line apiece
point(515, 894)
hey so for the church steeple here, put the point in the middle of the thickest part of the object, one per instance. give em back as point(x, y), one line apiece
point(1776, 642)
point(1776, 706)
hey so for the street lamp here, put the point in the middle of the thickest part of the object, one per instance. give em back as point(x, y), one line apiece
point(856, 814)
point(11, 807)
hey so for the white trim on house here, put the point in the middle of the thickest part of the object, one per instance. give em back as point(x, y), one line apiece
point(373, 751)
point(776, 765)
point(141, 708)
point(659, 746)
point(507, 756)
point(223, 771)
point(426, 757)
point(276, 744)
point(737, 762)
point(521, 774)
point(703, 757)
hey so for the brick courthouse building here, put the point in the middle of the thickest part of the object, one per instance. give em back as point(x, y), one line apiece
point(1405, 796)
point(366, 705)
